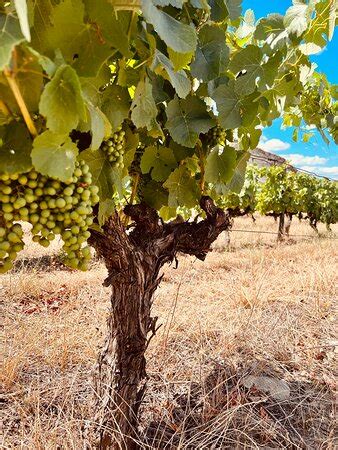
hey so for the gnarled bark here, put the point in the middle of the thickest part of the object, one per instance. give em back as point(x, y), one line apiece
point(134, 259)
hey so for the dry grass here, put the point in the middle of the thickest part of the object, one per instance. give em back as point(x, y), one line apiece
point(259, 309)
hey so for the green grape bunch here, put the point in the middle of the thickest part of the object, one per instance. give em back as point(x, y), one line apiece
point(215, 136)
point(114, 148)
point(52, 208)
point(10, 244)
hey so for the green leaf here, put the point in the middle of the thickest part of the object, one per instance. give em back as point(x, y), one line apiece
point(187, 119)
point(62, 27)
point(177, 35)
point(104, 176)
point(273, 25)
point(220, 165)
point(183, 190)
point(10, 36)
point(113, 25)
point(144, 110)
point(179, 60)
point(212, 54)
point(159, 160)
point(106, 210)
point(228, 106)
point(296, 19)
point(222, 9)
point(15, 148)
point(62, 102)
point(154, 195)
point(178, 79)
point(54, 155)
point(132, 142)
point(248, 59)
point(238, 177)
point(115, 104)
point(99, 125)
point(21, 10)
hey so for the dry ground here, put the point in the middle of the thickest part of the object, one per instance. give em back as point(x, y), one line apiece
point(257, 309)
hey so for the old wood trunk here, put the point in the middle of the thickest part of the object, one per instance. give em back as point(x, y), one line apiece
point(134, 259)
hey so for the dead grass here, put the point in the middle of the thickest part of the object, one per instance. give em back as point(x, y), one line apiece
point(259, 309)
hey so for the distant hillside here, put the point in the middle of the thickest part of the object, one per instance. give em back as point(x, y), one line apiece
point(262, 158)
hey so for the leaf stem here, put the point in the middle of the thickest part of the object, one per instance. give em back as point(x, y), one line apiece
point(10, 77)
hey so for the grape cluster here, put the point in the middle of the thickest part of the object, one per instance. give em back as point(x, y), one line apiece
point(216, 135)
point(53, 208)
point(114, 147)
point(10, 244)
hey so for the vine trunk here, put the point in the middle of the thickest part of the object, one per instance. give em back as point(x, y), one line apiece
point(134, 258)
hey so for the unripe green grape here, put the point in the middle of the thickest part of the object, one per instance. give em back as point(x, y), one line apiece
point(16, 228)
point(36, 238)
point(44, 232)
point(45, 213)
point(19, 203)
point(2, 232)
point(7, 207)
point(50, 224)
point(32, 184)
point(9, 217)
point(6, 189)
point(24, 212)
point(13, 237)
point(44, 242)
point(23, 179)
point(3, 253)
point(51, 236)
point(60, 203)
point(12, 255)
point(75, 229)
point(5, 245)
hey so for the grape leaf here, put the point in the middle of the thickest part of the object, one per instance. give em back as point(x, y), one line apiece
point(238, 177)
point(177, 35)
point(15, 148)
point(144, 109)
point(154, 194)
point(115, 104)
point(228, 105)
point(212, 54)
point(187, 119)
point(99, 125)
point(179, 60)
point(21, 10)
point(222, 9)
point(178, 79)
point(62, 27)
point(54, 155)
point(220, 165)
point(105, 177)
point(249, 59)
point(159, 160)
point(10, 36)
point(62, 102)
point(296, 19)
point(183, 190)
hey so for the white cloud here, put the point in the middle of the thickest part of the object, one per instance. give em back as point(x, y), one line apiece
point(297, 159)
point(273, 145)
point(331, 172)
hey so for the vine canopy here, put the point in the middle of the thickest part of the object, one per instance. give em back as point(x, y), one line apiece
point(189, 84)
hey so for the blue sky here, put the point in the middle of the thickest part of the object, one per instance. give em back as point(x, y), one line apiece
point(315, 155)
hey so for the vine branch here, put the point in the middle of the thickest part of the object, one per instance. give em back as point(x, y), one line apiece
point(10, 77)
